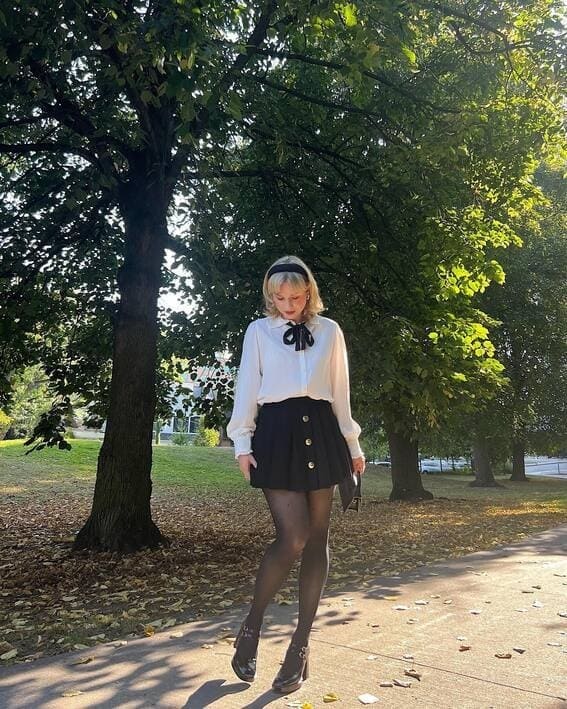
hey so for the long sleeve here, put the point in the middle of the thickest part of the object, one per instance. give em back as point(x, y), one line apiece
point(341, 394)
point(243, 420)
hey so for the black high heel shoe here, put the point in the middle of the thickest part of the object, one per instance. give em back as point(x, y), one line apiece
point(286, 682)
point(245, 669)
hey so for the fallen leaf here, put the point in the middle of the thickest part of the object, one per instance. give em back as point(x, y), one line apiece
point(83, 660)
point(9, 655)
point(503, 655)
point(521, 650)
point(367, 698)
point(71, 693)
point(331, 697)
point(462, 648)
point(413, 673)
point(386, 684)
point(402, 683)
point(401, 608)
point(475, 611)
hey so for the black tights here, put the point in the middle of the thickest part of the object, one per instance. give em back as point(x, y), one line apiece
point(301, 520)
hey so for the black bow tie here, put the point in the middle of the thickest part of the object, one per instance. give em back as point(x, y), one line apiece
point(299, 334)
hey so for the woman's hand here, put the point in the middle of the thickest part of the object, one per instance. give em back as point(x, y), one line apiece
point(359, 464)
point(244, 462)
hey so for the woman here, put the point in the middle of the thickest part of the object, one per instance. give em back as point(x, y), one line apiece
point(294, 437)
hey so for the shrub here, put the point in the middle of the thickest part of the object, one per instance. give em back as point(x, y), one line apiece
point(5, 423)
point(207, 437)
point(180, 439)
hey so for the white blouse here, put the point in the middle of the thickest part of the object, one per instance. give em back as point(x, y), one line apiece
point(271, 370)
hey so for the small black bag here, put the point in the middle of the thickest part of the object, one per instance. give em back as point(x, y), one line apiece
point(351, 492)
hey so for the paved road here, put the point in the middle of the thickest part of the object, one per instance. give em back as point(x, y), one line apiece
point(549, 467)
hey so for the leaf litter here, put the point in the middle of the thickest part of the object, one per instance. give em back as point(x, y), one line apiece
point(53, 600)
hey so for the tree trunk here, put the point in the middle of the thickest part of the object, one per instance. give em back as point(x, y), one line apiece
point(120, 518)
point(482, 466)
point(518, 461)
point(406, 479)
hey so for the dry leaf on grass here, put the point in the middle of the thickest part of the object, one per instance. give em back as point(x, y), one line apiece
point(9, 655)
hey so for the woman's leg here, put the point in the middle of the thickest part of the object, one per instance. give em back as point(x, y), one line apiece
point(314, 562)
point(290, 513)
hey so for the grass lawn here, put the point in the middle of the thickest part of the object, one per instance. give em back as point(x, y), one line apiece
point(52, 599)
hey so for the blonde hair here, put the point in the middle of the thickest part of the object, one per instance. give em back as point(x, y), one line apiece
point(271, 285)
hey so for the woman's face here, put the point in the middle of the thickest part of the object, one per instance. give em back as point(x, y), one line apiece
point(290, 301)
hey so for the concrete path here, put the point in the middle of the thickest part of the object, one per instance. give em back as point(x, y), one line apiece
point(361, 637)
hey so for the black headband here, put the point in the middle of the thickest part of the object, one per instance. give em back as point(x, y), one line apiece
point(283, 267)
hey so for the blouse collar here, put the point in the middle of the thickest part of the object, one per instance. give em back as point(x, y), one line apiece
point(278, 321)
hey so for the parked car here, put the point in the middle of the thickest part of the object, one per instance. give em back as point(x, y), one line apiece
point(434, 465)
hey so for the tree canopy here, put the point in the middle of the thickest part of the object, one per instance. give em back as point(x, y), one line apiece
point(389, 143)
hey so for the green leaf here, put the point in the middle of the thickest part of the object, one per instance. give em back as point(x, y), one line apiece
point(235, 106)
point(410, 54)
point(146, 96)
point(348, 12)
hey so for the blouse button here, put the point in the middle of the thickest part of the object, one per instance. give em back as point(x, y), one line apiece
point(305, 417)
point(308, 441)
point(311, 464)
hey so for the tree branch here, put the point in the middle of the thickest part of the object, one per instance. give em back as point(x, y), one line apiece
point(326, 104)
point(256, 38)
point(378, 76)
point(51, 147)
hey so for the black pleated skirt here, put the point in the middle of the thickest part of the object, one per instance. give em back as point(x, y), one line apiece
point(298, 445)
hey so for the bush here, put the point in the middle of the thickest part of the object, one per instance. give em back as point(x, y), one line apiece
point(207, 437)
point(5, 423)
point(180, 439)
